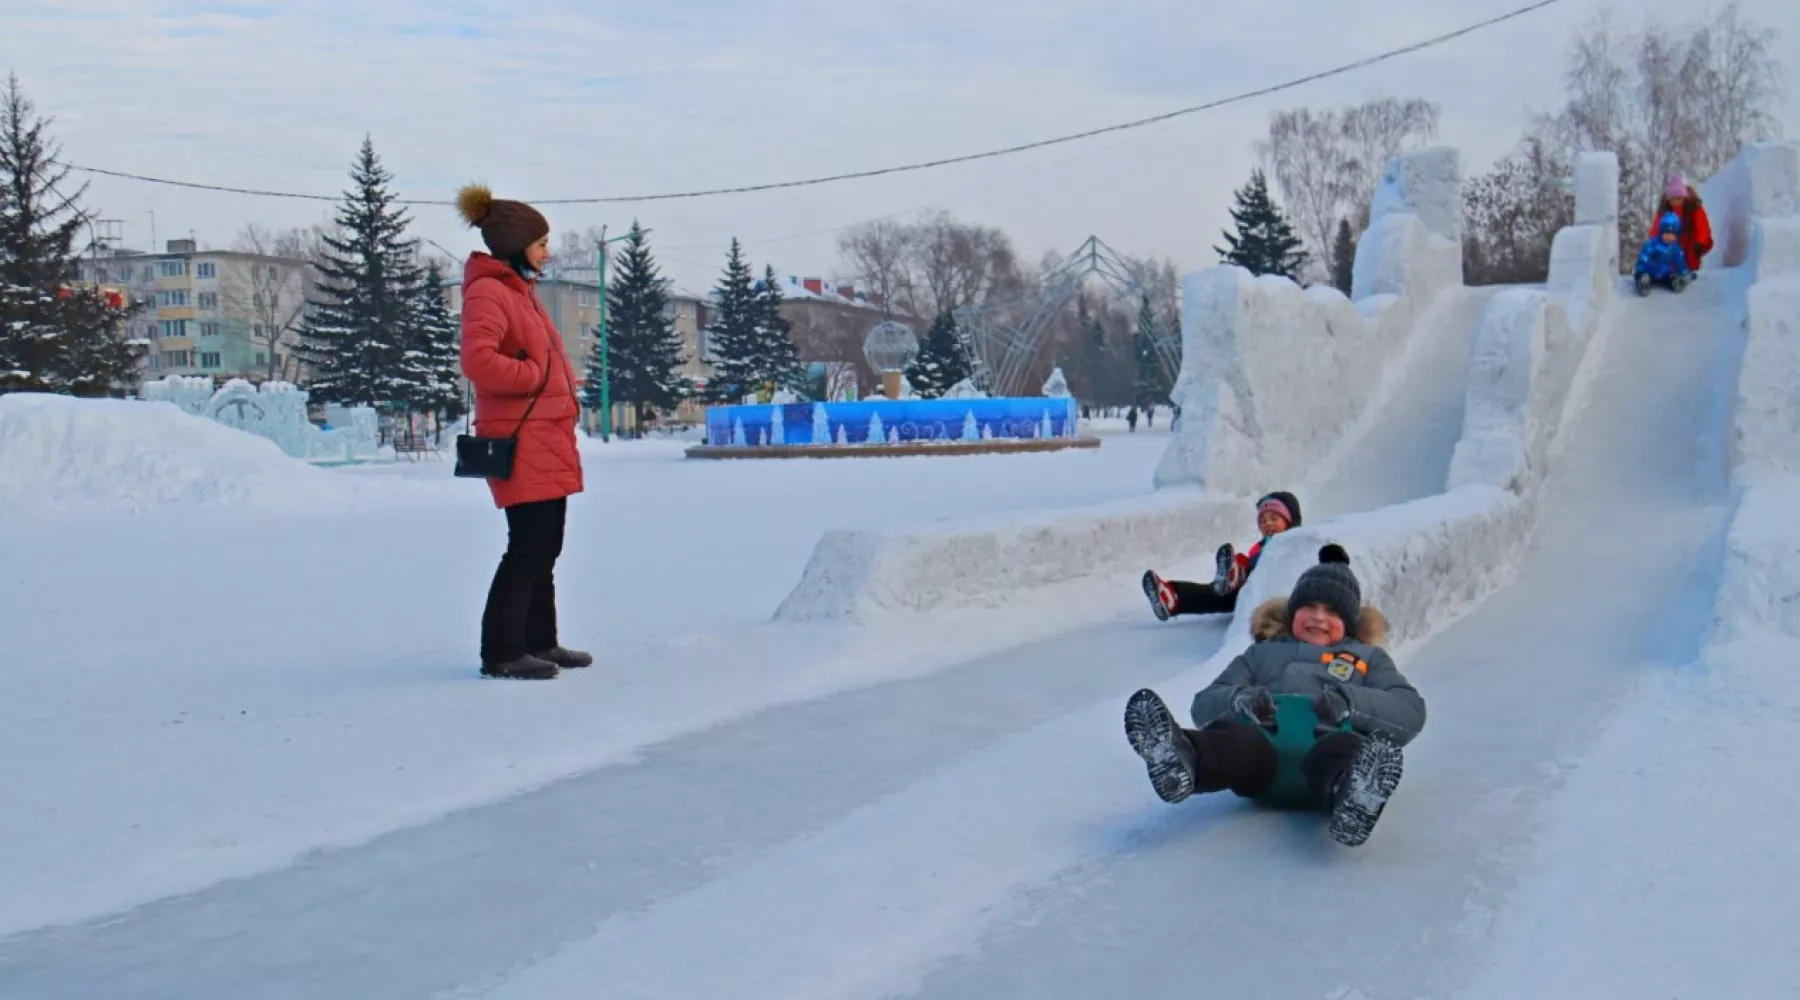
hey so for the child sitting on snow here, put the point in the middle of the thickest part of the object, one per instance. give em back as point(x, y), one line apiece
point(1275, 513)
point(1322, 642)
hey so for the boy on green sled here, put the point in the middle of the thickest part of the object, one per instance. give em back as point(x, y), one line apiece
point(1324, 645)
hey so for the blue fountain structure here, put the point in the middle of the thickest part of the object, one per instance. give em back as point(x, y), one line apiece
point(891, 421)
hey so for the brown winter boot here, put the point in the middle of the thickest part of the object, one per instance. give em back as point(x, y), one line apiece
point(524, 668)
point(566, 658)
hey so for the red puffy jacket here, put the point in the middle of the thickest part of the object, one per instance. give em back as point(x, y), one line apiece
point(1696, 230)
point(507, 340)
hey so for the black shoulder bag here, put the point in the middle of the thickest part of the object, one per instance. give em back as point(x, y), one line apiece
point(492, 458)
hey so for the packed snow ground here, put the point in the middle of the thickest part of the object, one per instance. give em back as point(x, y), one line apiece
point(979, 831)
point(226, 688)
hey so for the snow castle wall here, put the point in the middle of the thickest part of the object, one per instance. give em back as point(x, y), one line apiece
point(1272, 373)
point(1754, 204)
point(1530, 344)
point(1426, 561)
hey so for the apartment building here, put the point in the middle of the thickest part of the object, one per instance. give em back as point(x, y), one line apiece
point(217, 313)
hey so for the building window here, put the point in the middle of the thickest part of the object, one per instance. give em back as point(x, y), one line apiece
point(209, 329)
point(206, 269)
point(176, 359)
point(209, 359)
point(208, 300)
point(171, 297)
point(261, 359)
point(174, 327)
point(171, 268)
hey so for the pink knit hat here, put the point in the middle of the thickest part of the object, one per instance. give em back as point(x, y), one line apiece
point(1677, 188)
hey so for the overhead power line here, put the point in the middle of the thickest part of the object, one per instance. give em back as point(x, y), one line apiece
point(904, 168)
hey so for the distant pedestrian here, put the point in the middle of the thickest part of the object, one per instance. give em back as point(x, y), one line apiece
point(1131, 418)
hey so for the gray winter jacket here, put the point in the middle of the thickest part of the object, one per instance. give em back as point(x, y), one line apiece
point(1381, 699)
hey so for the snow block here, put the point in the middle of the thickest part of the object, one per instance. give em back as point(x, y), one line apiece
point(1766, 419)
point(1597, 190)
point(1505, 357)
point(1422, 563)
point(1527, 354)
point(1272, 374)
point(1426, 184)
point(861, 575)
point(1759, 588)
point(1761, 182)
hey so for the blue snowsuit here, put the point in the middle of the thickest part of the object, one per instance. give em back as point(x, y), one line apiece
point(1663, 261)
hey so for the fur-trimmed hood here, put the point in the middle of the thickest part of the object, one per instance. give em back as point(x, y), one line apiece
point(1270, 621)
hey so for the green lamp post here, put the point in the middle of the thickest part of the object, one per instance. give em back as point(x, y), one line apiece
point(605, 361)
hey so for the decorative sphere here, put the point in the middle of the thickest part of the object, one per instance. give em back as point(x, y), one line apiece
point(890, 346)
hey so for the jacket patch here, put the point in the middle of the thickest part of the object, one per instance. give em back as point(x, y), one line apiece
point(1342, 665)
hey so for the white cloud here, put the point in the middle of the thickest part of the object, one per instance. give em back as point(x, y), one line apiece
point(558, 99)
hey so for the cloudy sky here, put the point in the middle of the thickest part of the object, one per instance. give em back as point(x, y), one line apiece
point(574, 98)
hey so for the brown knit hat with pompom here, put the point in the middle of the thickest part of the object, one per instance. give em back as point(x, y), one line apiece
point(507, 227)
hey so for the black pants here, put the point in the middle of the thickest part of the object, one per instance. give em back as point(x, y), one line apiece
point(1236, 755)
point(521, 604)
point(1200, 599)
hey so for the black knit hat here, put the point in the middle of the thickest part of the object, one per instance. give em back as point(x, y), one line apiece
point(1332, 584)
point(1286, 503)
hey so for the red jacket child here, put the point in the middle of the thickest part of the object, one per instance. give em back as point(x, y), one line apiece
point(1696, 231)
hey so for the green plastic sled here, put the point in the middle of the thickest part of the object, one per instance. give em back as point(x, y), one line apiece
point(1293, 738)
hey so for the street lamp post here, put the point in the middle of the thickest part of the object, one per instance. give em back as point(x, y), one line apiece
point(605, 359)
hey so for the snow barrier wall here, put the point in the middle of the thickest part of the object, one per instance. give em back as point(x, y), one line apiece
point(1263, 363)
point(859, 574)
point(1273, 374)
point(1426, 561)
point(1754, 204)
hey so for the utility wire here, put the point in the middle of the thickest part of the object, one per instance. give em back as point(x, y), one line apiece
point(905, 168)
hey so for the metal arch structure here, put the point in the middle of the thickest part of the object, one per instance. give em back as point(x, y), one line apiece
point(1001, 351)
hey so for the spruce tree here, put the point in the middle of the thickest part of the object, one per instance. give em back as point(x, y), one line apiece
point(644, 355)
point(778, 360)
point(360, 316)
point(1265, 243)
point(55, 336)
point(732, 335)
point(1151, 386)
point(940, 363)
point(435, 357)
point(1343, 258)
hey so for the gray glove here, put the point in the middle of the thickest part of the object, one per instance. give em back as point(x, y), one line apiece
point(1332, 708)
point(1256, 703)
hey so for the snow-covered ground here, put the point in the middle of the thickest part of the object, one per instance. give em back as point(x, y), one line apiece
point(208, 689)
point(940, 807)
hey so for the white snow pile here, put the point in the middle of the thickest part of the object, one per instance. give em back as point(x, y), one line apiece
point(1273, 375)
point(60, 455)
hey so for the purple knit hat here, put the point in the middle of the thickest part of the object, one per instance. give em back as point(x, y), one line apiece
point(1677, 188)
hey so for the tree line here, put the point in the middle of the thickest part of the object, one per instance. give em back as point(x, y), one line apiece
point(375, 329)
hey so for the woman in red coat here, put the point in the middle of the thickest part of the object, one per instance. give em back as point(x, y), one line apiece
point(1696, 230)
point(514, 357)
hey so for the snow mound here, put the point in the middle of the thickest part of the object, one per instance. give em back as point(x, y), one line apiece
point(60, 455)
point(859, 575)
point(1273, 375)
